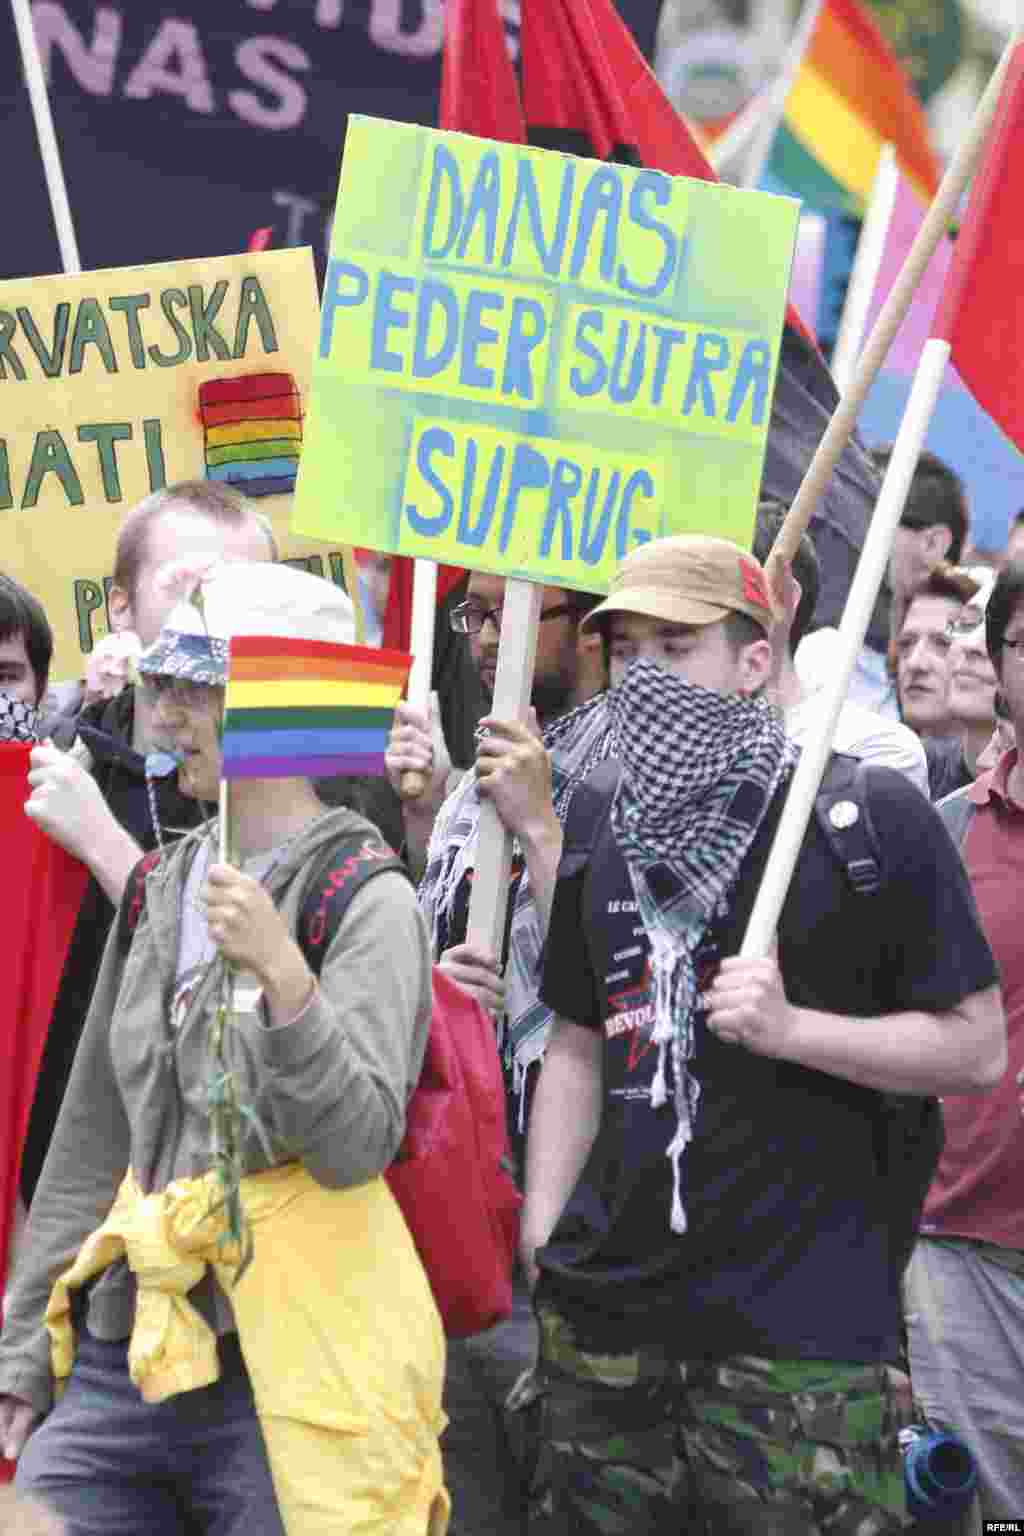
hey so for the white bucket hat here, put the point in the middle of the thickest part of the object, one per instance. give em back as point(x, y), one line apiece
point(243, 598)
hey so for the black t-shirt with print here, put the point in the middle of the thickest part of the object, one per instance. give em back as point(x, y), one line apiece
point(788, 1249)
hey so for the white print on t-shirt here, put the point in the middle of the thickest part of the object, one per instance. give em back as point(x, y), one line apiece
point(616, 976)
point(641, 1018)
point(628, 954)
point(622, 906)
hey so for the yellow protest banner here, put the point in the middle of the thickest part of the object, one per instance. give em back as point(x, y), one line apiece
point(116, 383)
point(529, 363)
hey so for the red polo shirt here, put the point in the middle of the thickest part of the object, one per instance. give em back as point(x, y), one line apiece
point(980, 1180)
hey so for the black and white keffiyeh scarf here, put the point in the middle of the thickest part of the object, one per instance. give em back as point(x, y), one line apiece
point(18, 721)
point(699, 770)
point(577, 742)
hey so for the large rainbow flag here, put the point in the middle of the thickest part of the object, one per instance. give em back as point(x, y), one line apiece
point(308, 708)
point(850, 96)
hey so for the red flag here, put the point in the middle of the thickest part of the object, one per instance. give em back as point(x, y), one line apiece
point(981, 312)
point(40, 908)
point(478, 84)
point(588, 89)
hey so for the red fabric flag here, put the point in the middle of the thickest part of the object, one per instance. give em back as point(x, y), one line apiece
point(981, 312)
point(587, 88)
point(40, 907)
point(478, 84)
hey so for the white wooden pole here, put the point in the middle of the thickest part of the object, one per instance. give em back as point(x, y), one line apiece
point(866, 265)
point(852, 629)
point(52, 167)
point(771, 116)
point(424, 619)
point(513, 685)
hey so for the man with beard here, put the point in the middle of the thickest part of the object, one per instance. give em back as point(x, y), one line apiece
point(529, 773)
point(714, 1357)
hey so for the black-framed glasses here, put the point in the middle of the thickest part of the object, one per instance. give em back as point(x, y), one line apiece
point(469, 618)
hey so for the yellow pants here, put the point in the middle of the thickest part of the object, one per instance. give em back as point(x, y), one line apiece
point(338, 1328)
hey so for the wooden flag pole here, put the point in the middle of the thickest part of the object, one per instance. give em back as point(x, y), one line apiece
point(43, 117)
point(936, 223)
point(224, 839)
point(863, 592)
point(866, 265)
point(881, 531)
point(513, 685)
point(424, 619)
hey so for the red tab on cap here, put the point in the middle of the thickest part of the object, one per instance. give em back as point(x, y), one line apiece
point(754, 588)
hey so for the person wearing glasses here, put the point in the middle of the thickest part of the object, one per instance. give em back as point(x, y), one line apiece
point(528, 772)
point(965, 1284)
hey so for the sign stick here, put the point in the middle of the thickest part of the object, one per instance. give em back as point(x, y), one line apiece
point(852, 629)
point(840, 428)
point(351, 570)
point(864, 274)
point(47, 137)
point(513, 684)
point(424, 618)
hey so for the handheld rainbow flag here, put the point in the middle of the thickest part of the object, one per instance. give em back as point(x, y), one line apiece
point(308, 708)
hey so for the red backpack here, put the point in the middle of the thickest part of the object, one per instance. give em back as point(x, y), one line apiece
point(452, 1175)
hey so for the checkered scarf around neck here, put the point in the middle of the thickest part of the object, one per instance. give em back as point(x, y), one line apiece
point(699, 770)
point(577, 742)
point(18, 721)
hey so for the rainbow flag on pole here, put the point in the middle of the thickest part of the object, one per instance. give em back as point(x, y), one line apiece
point(308, 708)
point(849, 97)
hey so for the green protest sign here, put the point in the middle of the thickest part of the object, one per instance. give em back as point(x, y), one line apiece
point(529, 363)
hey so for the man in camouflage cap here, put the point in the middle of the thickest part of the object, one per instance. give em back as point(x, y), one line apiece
point(713, 1357)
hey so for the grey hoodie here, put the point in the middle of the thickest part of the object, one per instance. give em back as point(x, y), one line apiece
point(330, 1088)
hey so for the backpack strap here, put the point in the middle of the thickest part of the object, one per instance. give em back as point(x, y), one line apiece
point(341, 871)
point(844, 815)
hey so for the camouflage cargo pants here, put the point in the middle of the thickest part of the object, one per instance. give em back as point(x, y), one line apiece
point(643, 1446)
